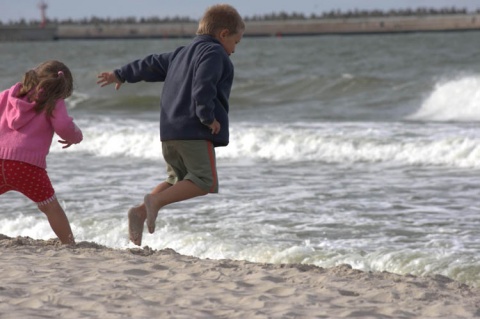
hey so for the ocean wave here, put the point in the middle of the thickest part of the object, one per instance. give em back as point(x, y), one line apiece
point(398, 144)
point(133, 103)
point(453, 100)
point(306, 87)
point(291, 89)
point(353, 144)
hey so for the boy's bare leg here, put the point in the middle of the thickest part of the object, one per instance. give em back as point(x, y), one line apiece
point(58, 222)
point(137, 216)
point(182, 190)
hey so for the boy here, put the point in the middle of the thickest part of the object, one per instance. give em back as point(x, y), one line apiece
point(194, 110)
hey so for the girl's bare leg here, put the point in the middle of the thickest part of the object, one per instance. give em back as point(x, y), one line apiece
point(58, 221)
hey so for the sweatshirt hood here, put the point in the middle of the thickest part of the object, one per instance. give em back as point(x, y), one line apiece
point(19, 111)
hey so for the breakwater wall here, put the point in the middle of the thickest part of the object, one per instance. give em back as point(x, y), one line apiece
point(282, 28)
point(367, 25)
point(370, 25)
point(14, 33)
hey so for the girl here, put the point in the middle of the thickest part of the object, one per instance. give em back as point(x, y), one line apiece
point(30, 113)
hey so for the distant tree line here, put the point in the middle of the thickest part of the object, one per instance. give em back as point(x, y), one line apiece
point(338, 14)
point(97, 20)
point(396, 13)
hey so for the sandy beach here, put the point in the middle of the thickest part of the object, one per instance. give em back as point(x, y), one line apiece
point(42, 279)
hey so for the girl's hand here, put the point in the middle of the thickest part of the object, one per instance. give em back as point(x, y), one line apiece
point(107, 78)
point(67, 144)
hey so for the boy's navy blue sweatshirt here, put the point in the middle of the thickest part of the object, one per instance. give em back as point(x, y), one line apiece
point(197, 82)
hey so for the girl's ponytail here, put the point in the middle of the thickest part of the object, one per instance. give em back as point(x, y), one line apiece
point(29, 82)
point(46, 84)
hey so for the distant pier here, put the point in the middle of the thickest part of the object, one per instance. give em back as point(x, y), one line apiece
point(18, 33)
point(359, 25)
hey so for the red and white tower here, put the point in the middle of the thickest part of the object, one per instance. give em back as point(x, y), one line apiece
point(43, 8)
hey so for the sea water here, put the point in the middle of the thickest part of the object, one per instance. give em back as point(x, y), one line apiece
point(344, 149)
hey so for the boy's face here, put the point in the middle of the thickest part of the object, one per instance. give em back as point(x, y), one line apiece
point(229, 41)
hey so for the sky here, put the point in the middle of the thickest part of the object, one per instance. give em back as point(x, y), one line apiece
point(14, 10)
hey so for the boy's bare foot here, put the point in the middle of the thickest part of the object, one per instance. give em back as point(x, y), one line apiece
point(71, 240)
point(151, 214)
point(135, 226)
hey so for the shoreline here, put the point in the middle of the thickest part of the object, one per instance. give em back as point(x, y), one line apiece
point(274, 28)
point(43, 279)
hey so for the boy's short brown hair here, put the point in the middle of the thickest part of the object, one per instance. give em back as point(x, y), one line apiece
point(219, 17)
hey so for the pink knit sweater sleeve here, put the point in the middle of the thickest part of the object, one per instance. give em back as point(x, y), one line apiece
point(63, 124)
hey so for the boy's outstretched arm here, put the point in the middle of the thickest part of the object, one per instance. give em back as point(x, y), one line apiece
point(107, 78)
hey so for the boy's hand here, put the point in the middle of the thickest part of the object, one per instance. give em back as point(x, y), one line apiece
point(215, 127)
point(107, 78)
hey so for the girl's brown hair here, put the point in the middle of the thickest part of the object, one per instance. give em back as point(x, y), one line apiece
point(47, 83)
point(219, 17)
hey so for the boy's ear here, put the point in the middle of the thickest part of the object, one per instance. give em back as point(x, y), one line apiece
point(224, 33)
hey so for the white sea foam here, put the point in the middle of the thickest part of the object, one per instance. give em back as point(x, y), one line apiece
point(108, 137)
point(351, 144)
point(453, 100)
point(297, 142)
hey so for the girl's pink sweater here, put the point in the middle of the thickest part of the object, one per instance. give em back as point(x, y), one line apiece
point(26, 135)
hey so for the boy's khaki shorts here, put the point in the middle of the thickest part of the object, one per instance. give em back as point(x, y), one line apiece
point(193, 160)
